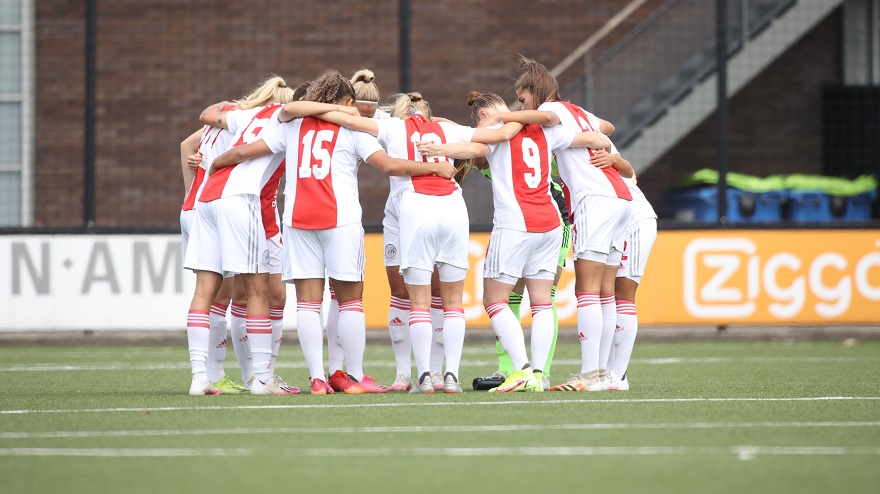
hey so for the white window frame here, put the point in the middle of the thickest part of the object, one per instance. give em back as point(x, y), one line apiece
point(26, 99)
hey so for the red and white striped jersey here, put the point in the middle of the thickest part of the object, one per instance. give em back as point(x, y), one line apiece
point(321, 190)
point(641, 208)
point(521, 178)
point(399, 138)
point(251, 176)
point(214, 142)
point(579, 176)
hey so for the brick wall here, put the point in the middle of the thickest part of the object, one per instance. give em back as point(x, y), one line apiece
point(159, 63)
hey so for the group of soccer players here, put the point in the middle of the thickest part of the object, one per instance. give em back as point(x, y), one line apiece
point(316, 136)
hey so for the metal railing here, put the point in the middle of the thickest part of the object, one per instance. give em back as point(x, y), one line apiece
point(659, 61)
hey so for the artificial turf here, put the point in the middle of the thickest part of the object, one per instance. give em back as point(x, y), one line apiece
point(700, 417)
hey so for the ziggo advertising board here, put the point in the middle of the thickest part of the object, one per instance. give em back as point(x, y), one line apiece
point(785, 276)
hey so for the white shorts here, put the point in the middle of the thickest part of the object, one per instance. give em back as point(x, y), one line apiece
point(228, 237)
point(275, 253)
point(434, 229)
point(337, 252)
point(187, 218)
point(514, 254)
point(597, 220)
point(391, 233)
point(447, 273)
point(640, 237)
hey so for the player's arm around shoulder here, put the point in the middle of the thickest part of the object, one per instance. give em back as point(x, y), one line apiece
point(237, 154)
point(396, 166)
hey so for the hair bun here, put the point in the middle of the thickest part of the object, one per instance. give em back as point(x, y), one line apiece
point(472, 96)
point(415, 97)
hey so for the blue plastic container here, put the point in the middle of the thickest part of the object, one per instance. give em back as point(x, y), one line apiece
point(819, 207)
point(700, 205)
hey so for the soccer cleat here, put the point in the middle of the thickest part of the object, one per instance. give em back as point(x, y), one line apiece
point(603, 380)
point(281, 383)
point(228, 386)
point(541, 381)
point(197, 388)
point(437, 381)
point(270, 388)
point(319, 387)
point(401, 383)
point(367, 385)
point(340, 381)
point(451, 384)
point(518, 380)
point(588, 381)
point(615, 384)
point(425, 384)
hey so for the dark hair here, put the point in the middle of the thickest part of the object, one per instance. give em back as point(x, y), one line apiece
point(329, 88)
point(300, 91)
point(535, 78)
point(477, 101)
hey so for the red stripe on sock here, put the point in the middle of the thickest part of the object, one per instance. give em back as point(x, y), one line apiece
point(352, 306)
point(494, 309)
point(540, 307)
point(587, 298)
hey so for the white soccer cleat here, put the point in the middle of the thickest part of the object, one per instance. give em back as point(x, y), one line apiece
point(615, 384)
point(451, 384)
point(437, 381)
point(425, 384)
point(198, 388)
point(270, 388)
point(401, 384)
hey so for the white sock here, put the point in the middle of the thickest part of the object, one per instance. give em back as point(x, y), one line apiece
point(589, 323)
point(420, 335)
point(217, 343)
point(335, 354)
point(542, 334)
point(259, 330)
point(398, 329)
point(240, 342)
point(311, 337)
point(609, 322)
point(198, 329)
point(509, 332)
point(628, 321)
point(353, 336)
point(453, 338)
point(276, 317)
point(437, 325)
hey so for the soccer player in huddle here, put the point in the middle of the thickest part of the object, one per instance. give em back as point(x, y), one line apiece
point(323, 235)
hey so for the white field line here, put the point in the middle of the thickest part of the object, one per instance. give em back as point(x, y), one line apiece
point(745, 452)
point(444, 429)
point(147, 366)
point(501, 402)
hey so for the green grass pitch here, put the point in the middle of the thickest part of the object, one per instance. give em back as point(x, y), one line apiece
point(700, 417)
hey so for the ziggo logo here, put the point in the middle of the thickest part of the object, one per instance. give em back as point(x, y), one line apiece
point(725, 257)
